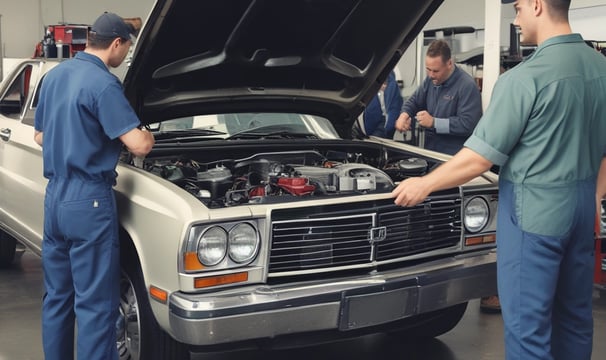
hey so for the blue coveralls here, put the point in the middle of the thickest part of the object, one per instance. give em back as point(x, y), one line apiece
point(82, 111)
point(381, 122)
point(546, 127)
point(456, 106)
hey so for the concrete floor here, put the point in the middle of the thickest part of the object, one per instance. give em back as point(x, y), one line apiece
point(477, 337)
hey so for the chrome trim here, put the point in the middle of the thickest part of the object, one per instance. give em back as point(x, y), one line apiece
point(263, 311)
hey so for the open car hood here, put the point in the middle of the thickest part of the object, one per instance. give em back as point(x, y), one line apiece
point(321, 57)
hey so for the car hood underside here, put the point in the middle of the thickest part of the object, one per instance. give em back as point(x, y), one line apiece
point(324, 57)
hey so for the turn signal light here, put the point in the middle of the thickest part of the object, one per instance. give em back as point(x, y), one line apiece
point(220, 280)
point(158, 294)
point(191, 261)
point(480, 240)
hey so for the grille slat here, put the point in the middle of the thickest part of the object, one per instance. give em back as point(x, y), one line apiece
point(361, 233)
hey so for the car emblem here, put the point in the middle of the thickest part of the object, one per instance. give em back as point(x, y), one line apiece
point(377, 234)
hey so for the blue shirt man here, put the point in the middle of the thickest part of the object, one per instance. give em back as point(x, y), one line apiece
point(447, 106)
point(82, 120)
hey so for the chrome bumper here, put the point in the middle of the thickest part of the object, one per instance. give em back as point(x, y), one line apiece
point(268, 311)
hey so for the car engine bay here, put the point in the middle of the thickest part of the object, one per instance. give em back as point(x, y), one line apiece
point(281, 176)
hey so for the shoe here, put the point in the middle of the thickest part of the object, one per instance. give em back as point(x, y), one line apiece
point(490, 304)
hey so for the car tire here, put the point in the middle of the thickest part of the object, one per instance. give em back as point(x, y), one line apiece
point(432, 324)
point(139, 337)
point(8, 246)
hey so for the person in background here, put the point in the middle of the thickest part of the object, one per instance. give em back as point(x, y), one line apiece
point(447, 106)
point(545, 126)
point(82, 121)
point(381, 113)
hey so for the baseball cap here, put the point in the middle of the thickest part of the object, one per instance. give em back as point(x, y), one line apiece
point(110, 25)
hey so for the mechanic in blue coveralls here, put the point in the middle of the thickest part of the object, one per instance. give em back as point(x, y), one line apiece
point(545, 126)
point(383, 110)
point(82, 121)
point(447, 105)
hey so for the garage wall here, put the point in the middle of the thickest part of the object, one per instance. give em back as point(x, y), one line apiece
point(24, 21)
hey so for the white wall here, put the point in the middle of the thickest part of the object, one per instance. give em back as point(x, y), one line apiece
point(589, 21)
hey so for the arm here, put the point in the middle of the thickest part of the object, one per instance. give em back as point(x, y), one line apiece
point(464, 166)
point(410, 108)
point(38, 137)
point(138, 142)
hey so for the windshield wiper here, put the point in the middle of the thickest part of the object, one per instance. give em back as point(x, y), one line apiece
point(185, 134)
point(282, 134)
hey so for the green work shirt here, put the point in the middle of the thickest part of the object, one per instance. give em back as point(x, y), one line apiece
point(546, 126)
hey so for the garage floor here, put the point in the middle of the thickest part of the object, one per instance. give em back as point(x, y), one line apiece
point(478, 336)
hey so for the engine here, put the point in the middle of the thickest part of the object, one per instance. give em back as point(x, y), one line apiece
point(279, 177)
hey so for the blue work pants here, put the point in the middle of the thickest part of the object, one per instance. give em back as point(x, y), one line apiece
point(80, 258)
point(545, 283)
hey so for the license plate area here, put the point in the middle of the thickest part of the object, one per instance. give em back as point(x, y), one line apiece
point(359, 311)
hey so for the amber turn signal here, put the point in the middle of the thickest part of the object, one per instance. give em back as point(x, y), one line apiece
point(158, 294)
point(480, 240)
point(220, 280)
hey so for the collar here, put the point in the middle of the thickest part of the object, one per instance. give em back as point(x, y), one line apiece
point(452, 78)
point(81, 55)
point(559, 39)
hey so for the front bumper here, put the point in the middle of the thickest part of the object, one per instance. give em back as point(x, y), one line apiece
point(262, 311)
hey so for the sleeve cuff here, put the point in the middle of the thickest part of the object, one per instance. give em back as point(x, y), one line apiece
point(442, 125)
point(488, 152)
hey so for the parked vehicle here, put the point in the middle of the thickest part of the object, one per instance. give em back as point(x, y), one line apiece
point(257, 217)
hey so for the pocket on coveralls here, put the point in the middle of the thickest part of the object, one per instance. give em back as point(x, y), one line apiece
point(85, 220)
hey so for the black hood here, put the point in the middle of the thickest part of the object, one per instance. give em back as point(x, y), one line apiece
point(323, 57)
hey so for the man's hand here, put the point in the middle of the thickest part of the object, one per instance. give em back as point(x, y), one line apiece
point(411, 192)
point(425, 119)
point(403, 122)
point(462, 167)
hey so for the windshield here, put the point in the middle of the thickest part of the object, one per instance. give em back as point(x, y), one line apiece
point(250, 124)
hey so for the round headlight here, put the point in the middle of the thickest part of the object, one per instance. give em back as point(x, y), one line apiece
point(243, 243)
point(212, 246)
point(476, 214)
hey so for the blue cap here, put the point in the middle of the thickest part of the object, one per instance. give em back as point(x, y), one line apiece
point(110, 26)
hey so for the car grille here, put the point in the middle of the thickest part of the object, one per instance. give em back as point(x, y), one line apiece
point(361, 233)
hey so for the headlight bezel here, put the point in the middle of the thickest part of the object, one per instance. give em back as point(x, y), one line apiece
point(190, 262)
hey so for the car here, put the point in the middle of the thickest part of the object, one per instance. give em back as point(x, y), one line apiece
point(260, 217)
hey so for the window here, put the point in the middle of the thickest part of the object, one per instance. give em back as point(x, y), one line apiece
point(14, 100)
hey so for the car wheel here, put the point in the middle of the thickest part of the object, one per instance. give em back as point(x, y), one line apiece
point(8, 246)
point(431, 324)
point(139, 337)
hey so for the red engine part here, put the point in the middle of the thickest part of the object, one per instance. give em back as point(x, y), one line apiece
point(296, 185)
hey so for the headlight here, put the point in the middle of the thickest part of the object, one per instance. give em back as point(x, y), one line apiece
point(476, 214)
point(243, 243)
point(212, 246)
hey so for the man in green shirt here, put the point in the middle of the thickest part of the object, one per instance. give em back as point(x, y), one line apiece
point(546, 127)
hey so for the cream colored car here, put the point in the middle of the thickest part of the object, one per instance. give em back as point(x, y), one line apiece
point(257, 217)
